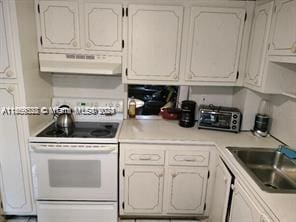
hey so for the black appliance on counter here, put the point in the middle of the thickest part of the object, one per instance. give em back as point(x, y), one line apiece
point(188, 113)
point(219, 118)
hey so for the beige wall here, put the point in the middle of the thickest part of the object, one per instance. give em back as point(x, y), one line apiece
point(65, 85)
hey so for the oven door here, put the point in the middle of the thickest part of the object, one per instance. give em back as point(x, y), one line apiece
point(74, 172)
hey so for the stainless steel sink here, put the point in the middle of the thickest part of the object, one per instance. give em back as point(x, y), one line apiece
point(270, 169)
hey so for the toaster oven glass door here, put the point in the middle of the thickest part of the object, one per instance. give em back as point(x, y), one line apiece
point(216, 120)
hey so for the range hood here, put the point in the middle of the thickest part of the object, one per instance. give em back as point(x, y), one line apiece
point(79, 63)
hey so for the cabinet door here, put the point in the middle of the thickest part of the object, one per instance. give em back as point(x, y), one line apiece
point(103, 26)
point(284, 34)
point(215, 39)
point(59, 24)
point(143, 191)
point(154, 42)
point(259, 42)
point(15, 193)
point(187, 189)
point(220, 193)
point(6, 48)
point(243, 209)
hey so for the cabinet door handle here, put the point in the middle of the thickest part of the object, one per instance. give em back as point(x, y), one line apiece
point(88, 45)
point(10, 89)
point(145, 158)
point(174, 174)
point(160, 175)
point(293, 48)
point(9, 73)
point(74, 44)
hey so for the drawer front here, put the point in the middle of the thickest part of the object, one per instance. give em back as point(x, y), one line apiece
point(188, 158)
point(144, 156)
point(76, 211)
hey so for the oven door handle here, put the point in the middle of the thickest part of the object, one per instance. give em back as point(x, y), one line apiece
point(69, 149)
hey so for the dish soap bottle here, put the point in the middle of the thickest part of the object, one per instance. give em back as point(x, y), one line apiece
point(132, 108)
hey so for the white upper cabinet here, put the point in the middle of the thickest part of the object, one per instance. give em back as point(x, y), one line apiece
point(59, 24)
point(259, 44)
point(284, 34)
point(103, 26)
point(14, 187)
point(187, 189)
point(154, 42)
point(215, 39)
point(6, 49)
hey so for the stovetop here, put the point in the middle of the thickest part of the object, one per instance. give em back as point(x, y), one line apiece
point(82, 130)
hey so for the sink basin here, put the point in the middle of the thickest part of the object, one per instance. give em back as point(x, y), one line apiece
point(270, 169)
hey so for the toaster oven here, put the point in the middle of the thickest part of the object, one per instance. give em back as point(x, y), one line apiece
point(219, 118)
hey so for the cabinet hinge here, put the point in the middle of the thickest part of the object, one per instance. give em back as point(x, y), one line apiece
point(123, 205)
point(122, 12)
point(41, 40)
point(205, 206)
point(126, 72)
point(268, 46)
point(38, 8)
point(126, 12)
point(209, 174)
point(123, 172)
point(246, 16)
point(122, 44)
point(237, 74)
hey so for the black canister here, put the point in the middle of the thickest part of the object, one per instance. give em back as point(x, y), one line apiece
point(188, 113)
point(262, 124)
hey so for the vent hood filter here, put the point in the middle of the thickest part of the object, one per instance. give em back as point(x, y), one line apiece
point(79, 63)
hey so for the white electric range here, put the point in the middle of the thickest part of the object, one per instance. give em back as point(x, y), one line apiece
point(75, 171)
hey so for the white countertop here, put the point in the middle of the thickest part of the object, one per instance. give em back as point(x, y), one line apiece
point(283, 206)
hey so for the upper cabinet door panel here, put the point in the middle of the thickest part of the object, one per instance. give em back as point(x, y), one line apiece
point(215, 38)
point(59, 24)
point(154, 42)
point(6, 49)
point(103, 26)
point(259, 42)
point(284, 34)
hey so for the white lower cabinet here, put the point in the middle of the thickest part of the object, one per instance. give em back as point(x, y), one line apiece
point(143, 189)
point(244, 208)
point(14, 179)
point(186, 189)
point(221, 191)
point(163, 181)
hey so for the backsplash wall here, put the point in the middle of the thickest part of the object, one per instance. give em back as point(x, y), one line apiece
point(87, 86)
point(284, 108)
point(283, 113)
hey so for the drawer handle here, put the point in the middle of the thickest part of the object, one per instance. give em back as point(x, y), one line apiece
point(188, 159)
point(145, 158)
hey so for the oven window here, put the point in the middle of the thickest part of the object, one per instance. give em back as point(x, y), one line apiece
point(75, 173)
